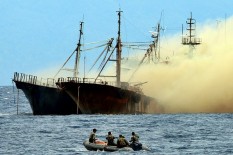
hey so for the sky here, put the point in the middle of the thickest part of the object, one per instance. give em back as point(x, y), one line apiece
point(37, 36)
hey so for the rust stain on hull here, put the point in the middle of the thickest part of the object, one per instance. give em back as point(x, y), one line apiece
point(105, 99)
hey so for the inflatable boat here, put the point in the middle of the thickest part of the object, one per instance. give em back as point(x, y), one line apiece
point(102, 146)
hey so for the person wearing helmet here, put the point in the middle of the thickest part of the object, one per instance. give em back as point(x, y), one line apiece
point(122, 142)
point(134, 138)
point(110, 138)
point(135, 145)
point(92, 136)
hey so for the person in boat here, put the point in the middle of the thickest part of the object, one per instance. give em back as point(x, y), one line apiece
point(110, 138)
point(122, 142)
point(92, 136)
point(134, 138)
point(134, 142)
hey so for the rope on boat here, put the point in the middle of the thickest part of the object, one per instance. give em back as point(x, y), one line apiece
point(13, 87)
point(18, 102)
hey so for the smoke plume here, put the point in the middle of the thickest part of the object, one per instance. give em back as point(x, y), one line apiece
point(201, 84)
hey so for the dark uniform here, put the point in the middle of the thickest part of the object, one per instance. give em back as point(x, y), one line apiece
point(92, 137)
point(122, 142)
point(110, 139)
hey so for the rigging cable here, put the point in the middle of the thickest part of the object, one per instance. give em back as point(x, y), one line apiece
point(97, 59)
point(103, 41)
point(109, 44)
point(88, 49)
point(65, 63)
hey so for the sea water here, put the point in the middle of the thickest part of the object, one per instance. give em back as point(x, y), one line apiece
point(24, 133)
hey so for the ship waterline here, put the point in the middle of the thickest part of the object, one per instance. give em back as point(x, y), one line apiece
point(93, 98)
point(44, 98)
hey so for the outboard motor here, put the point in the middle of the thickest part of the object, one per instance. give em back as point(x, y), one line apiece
point(136, 146)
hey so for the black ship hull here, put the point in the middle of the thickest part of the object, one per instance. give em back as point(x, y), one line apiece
point(45, 100)
point(105, 99)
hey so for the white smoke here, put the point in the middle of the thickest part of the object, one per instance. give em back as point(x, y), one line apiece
point(201, 84)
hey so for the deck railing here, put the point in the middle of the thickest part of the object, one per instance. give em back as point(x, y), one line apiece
point(191, 41)
point(31, 79)
point(86, 80)
point(50, 82)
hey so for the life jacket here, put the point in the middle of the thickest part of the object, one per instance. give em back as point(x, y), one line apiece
point(110, 138)
point(92, 137)
point(134, 138)
point(122, 142)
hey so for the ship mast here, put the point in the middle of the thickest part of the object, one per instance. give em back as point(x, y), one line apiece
point(155, 46)
point(118, 52)
point(77, 58)
point(152, 48)
point(190, 39)
point(77, 51)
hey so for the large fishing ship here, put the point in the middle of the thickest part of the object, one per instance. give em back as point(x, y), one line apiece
point(44, 97)
point(104, 97)
point(76, 95)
